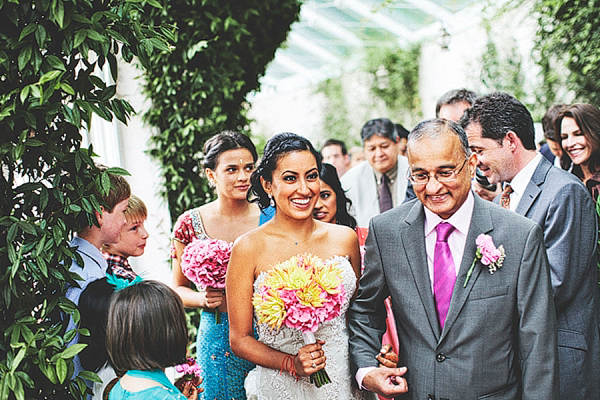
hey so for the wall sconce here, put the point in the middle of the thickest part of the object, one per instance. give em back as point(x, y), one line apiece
point(444, 39)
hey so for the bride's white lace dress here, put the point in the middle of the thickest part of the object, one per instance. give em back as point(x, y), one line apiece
point(268, 384)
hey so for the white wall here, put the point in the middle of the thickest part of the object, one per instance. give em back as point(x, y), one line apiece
point(125, 146)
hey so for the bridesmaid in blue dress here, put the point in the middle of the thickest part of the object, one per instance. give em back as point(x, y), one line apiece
point(145, 333)
point(229, 160)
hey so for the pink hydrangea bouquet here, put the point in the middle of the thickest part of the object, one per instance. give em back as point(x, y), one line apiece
point(488, 254)
point(204, 262)
point(301, 293)
point(190, 372)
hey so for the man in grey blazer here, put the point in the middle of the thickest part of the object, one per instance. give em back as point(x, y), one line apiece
point(494, 337)
point(500, 131)
point(363, 182)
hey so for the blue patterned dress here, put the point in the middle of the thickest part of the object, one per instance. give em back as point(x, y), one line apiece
point(224, 373)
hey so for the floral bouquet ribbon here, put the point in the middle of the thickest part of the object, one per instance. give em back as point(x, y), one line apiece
point(301, 293)
point(204, 262)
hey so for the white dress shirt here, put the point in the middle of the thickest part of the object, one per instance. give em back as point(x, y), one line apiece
point(521, 180)
point(461, 220)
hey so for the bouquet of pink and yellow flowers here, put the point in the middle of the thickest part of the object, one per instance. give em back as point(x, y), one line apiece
point(301, 293)
point(204, 262)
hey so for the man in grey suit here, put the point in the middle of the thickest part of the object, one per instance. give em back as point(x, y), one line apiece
point(462, 336)
point(500, 131)
point(379, 183)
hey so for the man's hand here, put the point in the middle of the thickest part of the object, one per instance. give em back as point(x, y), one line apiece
point(388, 382)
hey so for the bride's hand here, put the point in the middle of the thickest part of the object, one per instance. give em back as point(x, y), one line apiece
point(310, 359)
point(213, 297)
point(387, 357)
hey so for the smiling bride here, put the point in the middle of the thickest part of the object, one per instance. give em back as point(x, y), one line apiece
point(288, 179)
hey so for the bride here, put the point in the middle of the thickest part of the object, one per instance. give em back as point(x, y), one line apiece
point(288, 178)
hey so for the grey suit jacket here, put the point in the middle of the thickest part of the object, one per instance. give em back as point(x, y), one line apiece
point(562, 206)
point(499, 339)
point(361, 187)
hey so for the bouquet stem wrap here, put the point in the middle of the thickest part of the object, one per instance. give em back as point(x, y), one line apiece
point(320, 377)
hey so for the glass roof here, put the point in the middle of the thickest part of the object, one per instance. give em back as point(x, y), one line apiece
point(330, 32)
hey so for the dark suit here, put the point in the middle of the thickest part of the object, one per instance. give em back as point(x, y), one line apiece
point(563, 207)
point(499, 339)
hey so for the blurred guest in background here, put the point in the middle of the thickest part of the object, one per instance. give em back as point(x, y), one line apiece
point(552, 149)
point(452, 104)
point(334, 152)
point(380, 183)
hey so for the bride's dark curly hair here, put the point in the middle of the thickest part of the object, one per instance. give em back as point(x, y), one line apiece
point(277, 147)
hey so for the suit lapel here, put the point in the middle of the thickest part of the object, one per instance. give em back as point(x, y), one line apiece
point(414, 248)
point(480, 223)
point(533, 190)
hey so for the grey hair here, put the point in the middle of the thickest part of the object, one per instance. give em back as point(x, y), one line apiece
point(435, 127)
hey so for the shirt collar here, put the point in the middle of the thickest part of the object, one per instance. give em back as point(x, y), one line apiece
point(392, 174)
point(460, 220)
point(521, 180)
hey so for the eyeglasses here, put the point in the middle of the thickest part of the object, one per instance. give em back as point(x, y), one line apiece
point(444, 175)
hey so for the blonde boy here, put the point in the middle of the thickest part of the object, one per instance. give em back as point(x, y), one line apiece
point(132, 241)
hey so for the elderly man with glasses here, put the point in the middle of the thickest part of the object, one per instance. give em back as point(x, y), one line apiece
point(469, 282)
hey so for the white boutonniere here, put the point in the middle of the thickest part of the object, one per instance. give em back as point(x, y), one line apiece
point(488, 254)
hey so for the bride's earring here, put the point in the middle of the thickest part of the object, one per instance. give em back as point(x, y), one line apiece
point(271, 201)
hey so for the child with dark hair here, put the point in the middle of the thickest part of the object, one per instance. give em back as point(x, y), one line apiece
point(94, 303)
point(146, 333)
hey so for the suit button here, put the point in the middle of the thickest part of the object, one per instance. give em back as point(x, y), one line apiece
point(440, 357)
point(430, 397)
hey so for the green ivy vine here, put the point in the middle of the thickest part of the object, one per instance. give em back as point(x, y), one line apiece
point(221, 50)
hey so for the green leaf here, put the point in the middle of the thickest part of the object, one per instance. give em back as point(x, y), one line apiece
point(105, 181)
point(94, 35)
point(50, 75)
point(155, 3)
point(80, 36)
point(116, 35)
point(24, 57)
point(55, 62)
point(4, 389)
point(27, 227)
point(17, 360)
point(61, 370)
point(59, 13)
point(67, 88)
point(90, 376)
point(24, 94)
point(72, 350)
point(118, 171)
point(29, 29)
point(40, 35)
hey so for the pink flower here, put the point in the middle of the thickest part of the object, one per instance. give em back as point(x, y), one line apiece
point(489, 252)
point(204, 262)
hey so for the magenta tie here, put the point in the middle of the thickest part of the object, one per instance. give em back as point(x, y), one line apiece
point(444, 274)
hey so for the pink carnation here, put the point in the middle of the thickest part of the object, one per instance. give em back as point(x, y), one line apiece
point(489, 252)
point(204, 262)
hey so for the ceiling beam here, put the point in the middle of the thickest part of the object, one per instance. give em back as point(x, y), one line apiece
point(314, 19)
point(433, 9)
point(380, 19)
point(291, 65)
point(297, 39)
